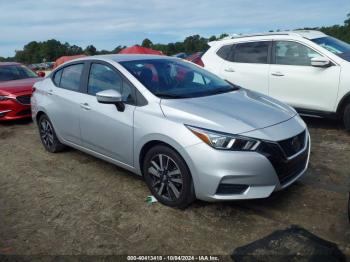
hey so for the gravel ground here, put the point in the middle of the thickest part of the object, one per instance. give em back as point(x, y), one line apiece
point(72, 203)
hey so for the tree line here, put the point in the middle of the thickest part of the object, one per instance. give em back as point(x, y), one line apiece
point(50, 50)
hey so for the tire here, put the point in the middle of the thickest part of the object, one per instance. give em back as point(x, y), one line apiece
point(349, 208)
point(346, 117)
point(48, 135)
point(170, 182)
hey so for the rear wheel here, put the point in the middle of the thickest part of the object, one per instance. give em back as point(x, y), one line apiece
point(168, 177)
point(48, 136)
point(346, 117)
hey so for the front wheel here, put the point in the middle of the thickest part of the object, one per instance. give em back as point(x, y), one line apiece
point(48, 136)
point(349, 208)
point(168, 177)
point(346, 117)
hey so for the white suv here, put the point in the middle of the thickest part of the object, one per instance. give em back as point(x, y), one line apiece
point(306, 69)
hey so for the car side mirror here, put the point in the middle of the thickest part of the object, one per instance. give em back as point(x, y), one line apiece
point(41, 74)
point(111, 96)
point(320, 61)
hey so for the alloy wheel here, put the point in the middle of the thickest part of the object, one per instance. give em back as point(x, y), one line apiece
point(46, 133)
point(167, 180)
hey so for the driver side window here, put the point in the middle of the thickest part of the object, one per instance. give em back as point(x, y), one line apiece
point(292, 53)
point(103, 77)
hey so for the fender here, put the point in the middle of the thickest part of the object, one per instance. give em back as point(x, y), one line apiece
point(342, 103)
point(171, 142)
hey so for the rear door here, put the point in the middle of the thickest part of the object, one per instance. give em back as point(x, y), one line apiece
point(248, 65)
point(294, 81)
point(64, 101)
point(104, 129)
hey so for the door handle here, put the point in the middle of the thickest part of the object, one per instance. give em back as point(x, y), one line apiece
point(50, 92)
point(229, 69)
point(85, 106)
point(277, 74)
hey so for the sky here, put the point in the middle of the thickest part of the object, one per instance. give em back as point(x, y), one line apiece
point(109, 23)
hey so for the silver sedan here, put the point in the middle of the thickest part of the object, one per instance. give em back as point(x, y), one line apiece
point(189, 133)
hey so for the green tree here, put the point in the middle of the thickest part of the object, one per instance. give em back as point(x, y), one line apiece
point(118, 49)
point(347, 21)
point(171, 49)
point(223, 36)
point(195, 43)
point(212, 38)
point(5, 59)
point(147, 43)
point(103, 52)
point(90, 50)
point(74, 50)
point(50, 50)
point(30, 52)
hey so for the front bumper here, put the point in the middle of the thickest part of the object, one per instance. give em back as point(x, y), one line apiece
point(229, 175)
point(12, 109)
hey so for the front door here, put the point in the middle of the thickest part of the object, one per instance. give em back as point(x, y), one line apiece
point(294, 81)
point(104, 129)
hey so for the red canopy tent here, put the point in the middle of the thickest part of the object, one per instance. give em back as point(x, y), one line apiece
point(136, 49)
point(64, 59)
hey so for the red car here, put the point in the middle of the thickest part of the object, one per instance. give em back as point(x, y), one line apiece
point(196, 58)
point(16, 84)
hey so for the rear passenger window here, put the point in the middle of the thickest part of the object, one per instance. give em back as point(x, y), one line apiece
point(253, 52)
point(57, 77)
point(224, 51)
point(71, 76)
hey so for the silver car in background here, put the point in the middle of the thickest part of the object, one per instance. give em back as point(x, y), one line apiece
point(188, 132)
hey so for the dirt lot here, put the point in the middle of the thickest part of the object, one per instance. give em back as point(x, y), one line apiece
point(72, 203)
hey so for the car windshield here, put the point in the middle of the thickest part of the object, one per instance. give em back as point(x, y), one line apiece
point(15, 72)
point(334, 45)
point(172, 78)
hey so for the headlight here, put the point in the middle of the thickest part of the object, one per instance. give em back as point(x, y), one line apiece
point(224, 141)
point(3, 98)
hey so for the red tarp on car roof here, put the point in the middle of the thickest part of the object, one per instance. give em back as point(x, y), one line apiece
point(64, 59)
point(136, 49)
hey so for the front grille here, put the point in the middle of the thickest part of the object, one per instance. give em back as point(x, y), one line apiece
point(25, 100)
point(286, 169)
point(293, 145)
point(24, 112)
point(229, 189)
point(2, 114)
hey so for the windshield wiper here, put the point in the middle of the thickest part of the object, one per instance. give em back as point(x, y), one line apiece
point(224, 90)
point(235, 87)
point(166, 95)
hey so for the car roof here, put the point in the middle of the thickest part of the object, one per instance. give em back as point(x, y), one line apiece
point(125, 57)
point(8, 63)
point(118, 58)
point(309, 34)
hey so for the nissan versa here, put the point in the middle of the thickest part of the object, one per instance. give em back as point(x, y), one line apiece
point(188, 132)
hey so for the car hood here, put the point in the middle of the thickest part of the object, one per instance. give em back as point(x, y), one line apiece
point(235, 112)
point(17, 86)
